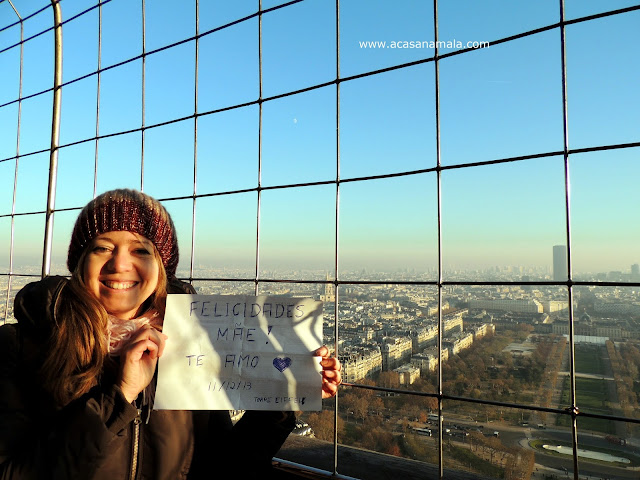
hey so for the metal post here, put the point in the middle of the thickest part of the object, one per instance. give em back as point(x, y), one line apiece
point(336, 315)
point(439, 207)
point(55, 138)
point(15, 175)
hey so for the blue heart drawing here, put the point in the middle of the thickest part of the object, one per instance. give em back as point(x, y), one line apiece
point(282, 363)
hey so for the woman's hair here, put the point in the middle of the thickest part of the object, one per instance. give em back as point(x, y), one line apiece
point(78, 347)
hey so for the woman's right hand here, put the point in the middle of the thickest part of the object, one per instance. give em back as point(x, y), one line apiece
point(138, 360)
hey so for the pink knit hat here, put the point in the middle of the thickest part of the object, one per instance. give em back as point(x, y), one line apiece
point(125, 210)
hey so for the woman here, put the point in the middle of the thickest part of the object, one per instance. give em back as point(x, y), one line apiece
point(77, 373)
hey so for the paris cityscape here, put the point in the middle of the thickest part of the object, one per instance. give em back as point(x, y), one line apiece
point(514, 337)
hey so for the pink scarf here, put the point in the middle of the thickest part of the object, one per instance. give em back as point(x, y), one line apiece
point(120, 331)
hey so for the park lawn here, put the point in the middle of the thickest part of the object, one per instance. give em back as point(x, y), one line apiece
point(589, 359)
point(592, 395)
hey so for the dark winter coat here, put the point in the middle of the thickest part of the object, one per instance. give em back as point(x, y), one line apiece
point(94, 437)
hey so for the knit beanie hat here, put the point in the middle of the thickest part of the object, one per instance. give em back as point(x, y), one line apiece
point(125, 210)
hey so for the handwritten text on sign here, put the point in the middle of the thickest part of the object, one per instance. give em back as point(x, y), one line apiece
point(232, 352)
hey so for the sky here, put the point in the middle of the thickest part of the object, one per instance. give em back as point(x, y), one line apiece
point(497, 102)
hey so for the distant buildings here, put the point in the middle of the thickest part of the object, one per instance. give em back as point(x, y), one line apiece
point(560, 263)
point(459, 343)
point(395, 352)
point(482, 330)
point(407, 374)
point(424, 337)
point(428, 360)
point(329, 292)
point(508, 305)
point(360, 362)
point(553, 306)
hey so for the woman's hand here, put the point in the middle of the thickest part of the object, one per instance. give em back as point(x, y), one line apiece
point(138, 361)
point(331, 377)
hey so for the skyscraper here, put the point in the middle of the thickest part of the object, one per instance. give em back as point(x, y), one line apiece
point(560, 263)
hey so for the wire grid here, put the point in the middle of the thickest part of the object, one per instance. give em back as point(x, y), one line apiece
point(338, 281)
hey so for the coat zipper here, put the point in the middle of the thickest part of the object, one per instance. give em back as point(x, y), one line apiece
point(136, 445)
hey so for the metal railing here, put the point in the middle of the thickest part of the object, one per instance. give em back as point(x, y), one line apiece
point(338, 281)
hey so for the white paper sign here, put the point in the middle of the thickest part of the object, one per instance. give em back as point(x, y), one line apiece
point(236, 352)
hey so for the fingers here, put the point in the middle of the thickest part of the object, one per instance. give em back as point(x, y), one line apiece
point(323, 351)
point(147, 340)
point(330, 385)
point(330, 363)
point(331, 376)
point(139, 360)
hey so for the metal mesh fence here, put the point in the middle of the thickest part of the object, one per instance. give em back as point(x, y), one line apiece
point(160, 104)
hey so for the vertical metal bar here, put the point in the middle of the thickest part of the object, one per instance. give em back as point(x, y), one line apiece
point(258, 208)
point(99, 76)
point(195, 143)
point(567, 183)
point(144, 63)
point(18, 15)
point(15, 173)
point(337, 237)
point(55, 138)
point(436, 64)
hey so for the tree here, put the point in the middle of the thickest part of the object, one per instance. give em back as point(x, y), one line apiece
point(431, 403)
point(322, 424)
point(361, 408)
point(389, 380)
point(394, 450)
point(376, 405)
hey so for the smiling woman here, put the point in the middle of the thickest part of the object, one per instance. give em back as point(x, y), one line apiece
point(121, 271)
point(78, 376)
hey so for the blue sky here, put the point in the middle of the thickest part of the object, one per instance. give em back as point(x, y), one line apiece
point(498, 102)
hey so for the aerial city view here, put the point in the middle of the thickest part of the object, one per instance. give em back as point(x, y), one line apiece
point(505, 343)
point(456, 182)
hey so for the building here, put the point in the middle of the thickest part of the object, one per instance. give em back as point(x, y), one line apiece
point(508, 305)
point(395, 352)
point(424, 337)
point(552, 306)
point(427, 361)
point(459, 343)
point(360, 362)
point(616, 308)
point(560, 263)
point(407, 374)
point(482, 330)
point(453, 322)
point(329, 292)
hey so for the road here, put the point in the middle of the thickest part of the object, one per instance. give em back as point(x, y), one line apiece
point(515, 435)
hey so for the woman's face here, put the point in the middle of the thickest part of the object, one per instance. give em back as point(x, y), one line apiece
point(121, 271)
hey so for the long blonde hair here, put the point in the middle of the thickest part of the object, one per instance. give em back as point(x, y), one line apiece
point(78, 346)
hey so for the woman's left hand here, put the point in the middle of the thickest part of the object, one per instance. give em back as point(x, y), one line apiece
point(331, 377)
